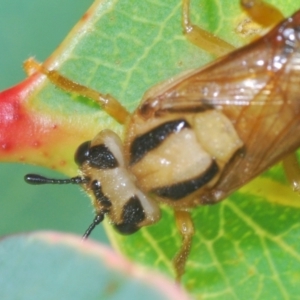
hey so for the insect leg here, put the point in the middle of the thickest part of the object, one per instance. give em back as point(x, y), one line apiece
point(262, 13)
point(292, 171)
point(106, 102)
point(201, 38)
point(185, 226)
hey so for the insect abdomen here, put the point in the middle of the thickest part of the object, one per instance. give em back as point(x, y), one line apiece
point(180, 155)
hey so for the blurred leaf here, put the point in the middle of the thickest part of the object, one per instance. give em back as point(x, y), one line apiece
point(242, 246)
point(49, 265)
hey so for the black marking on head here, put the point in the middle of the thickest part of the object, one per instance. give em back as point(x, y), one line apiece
point(97, 190)
point(82, 153)
point(102, 158)
point(133, 214)
point(98, 156)
point(152, 139)
point(180, 190)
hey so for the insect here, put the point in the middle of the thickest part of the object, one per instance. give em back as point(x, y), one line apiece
point(193, 140)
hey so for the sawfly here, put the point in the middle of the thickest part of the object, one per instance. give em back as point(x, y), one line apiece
point(196, 138)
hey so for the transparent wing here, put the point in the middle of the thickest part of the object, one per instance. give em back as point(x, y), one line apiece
point(257, 88)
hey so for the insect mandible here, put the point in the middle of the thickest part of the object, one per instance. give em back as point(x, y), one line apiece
point(192, 140)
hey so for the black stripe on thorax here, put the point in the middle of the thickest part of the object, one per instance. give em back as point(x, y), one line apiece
point(180, 190)
point(153, 138)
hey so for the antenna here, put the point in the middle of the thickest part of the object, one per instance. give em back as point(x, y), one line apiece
point(38, 179)
point(97, 220)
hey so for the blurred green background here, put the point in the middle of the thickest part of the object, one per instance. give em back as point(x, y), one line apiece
point(36, 28)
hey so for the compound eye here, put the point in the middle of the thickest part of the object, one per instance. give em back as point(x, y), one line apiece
point(82, 153)
point(126, 228)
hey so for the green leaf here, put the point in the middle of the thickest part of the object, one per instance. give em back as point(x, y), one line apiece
point(243, 245)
